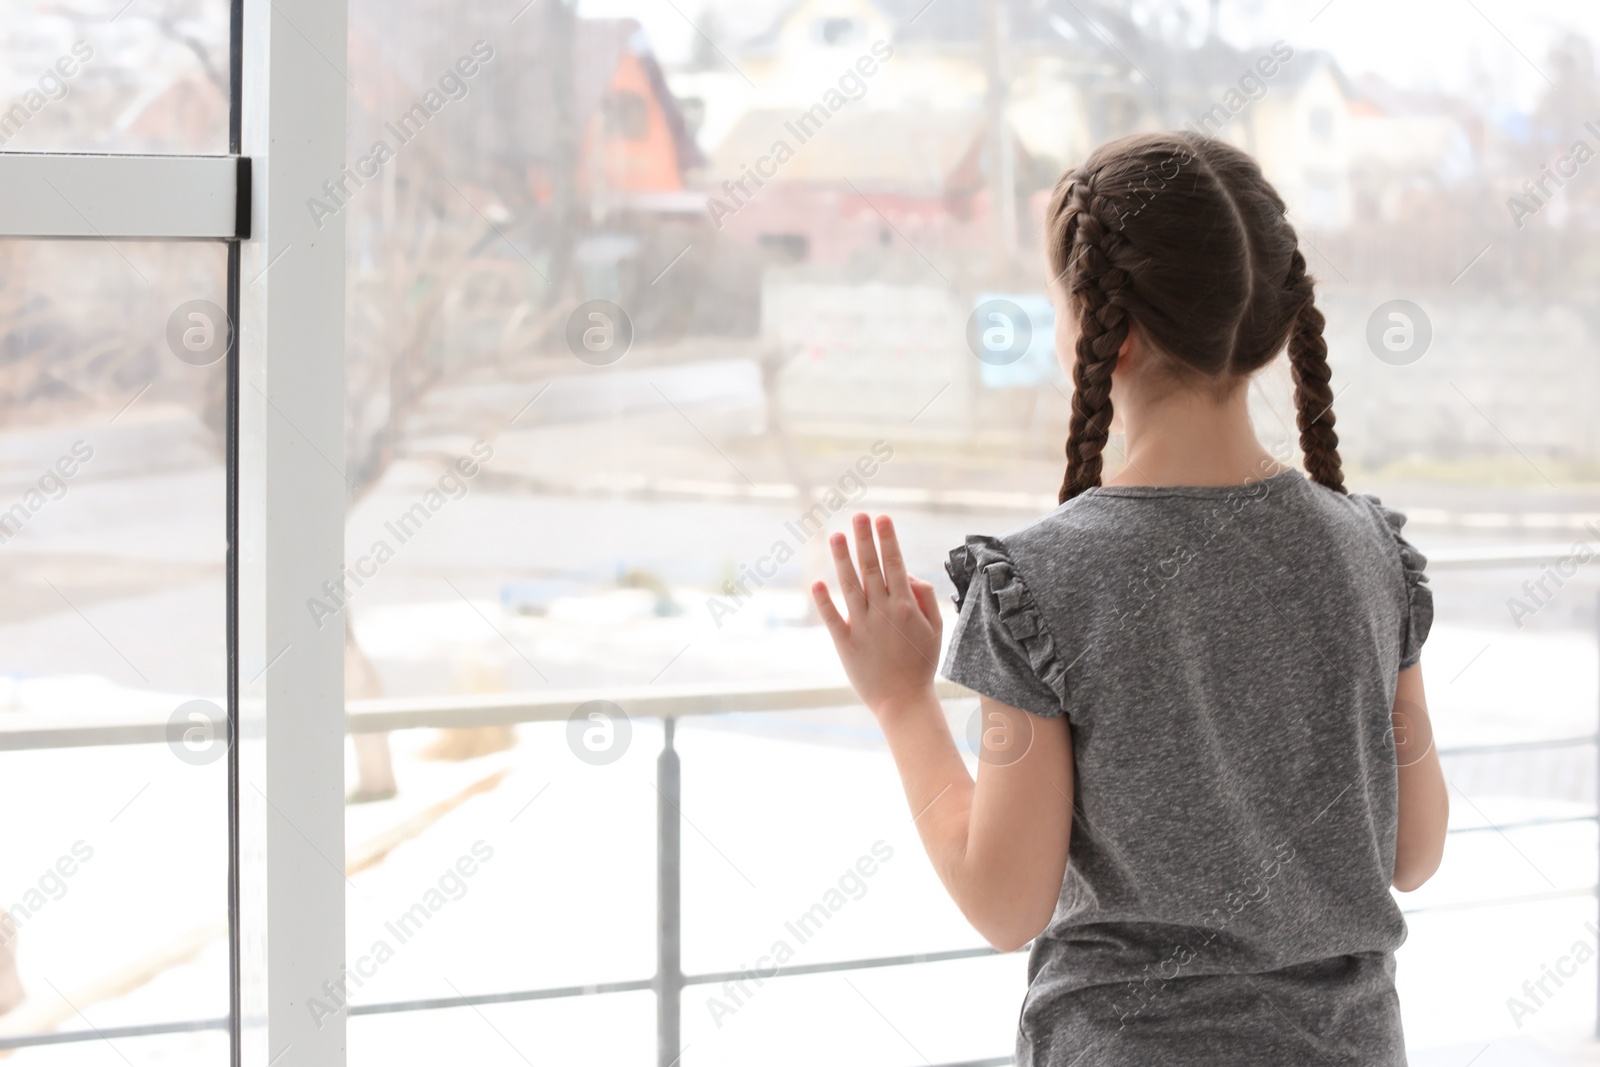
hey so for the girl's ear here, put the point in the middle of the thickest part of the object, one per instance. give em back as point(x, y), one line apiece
point(1132, 348)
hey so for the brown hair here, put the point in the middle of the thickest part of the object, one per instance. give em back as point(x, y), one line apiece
point(1182, 236)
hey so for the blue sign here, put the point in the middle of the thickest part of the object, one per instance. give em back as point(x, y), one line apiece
point(1014, 337)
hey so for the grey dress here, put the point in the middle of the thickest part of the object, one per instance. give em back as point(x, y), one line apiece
point(1227, 659)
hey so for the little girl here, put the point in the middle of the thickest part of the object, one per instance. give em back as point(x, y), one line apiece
point(1206, 754)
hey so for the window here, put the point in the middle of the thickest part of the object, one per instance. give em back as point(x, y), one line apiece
point(1322, 202)
point(1321, 120)
point(836, 32)
point(789, 247)
point(627, 116)
point(153, 436)
point(152, 79)
point(113, 561)
point(664, 392)
point(420, 424)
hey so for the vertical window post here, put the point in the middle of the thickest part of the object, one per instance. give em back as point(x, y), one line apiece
point(289, 801)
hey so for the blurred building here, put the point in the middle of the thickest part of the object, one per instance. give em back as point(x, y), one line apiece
point(867, 175)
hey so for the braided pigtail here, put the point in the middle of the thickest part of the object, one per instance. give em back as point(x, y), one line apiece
point(1313, 398)
point(1102, 327)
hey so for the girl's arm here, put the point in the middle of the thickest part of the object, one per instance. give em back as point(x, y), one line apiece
point(999, 845)
point(1424, 800)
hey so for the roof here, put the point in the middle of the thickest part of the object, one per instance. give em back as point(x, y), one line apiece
point(912, 152)
point(1306, 63)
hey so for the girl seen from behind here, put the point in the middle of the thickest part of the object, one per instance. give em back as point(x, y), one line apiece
point(1206, 750)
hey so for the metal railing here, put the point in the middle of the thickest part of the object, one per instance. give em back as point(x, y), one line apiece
point(665, 702)
point(669, 703)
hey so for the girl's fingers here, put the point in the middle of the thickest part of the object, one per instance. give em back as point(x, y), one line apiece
point(867, 551)
point(837, 628)
point(894, 564)
point(927, 601)
point(849, 583)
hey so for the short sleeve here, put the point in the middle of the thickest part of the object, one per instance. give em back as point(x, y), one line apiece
point(1419, 596)
point(1001, 646)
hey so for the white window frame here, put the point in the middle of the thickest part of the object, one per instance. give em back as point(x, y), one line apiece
point(286, 491)
point(51, 194)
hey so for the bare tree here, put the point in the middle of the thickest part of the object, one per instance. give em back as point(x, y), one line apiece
point(435, 293)
point(11, 991)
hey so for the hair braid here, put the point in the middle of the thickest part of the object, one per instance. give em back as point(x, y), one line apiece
point(1102, 327)
point(1313, 398)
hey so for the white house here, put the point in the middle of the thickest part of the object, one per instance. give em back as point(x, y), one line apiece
point(1301, 132)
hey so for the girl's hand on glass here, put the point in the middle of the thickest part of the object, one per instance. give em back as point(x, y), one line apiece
point(890, 644)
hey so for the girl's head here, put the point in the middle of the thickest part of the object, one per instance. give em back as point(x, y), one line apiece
point(1180, 239)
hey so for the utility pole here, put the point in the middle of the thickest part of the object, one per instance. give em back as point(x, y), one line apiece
point(1002, 158)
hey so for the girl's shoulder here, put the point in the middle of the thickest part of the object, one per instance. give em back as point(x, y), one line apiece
point(1044, 549)
point(1365, 517)
point(1101, 536)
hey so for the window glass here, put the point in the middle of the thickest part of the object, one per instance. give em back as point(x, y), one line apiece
point(643, 303)
point(113, 886)
point(119, 77)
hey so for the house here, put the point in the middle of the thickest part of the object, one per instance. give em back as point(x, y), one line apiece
point(575, 107)
point(859, 119)
point(563, 139)
point(633, 140)
point(1300, 131)
point(808, 46)
point(1290, 109)
point(860, 179)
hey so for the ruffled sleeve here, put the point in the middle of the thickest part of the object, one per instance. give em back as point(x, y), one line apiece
point(1001, 645)
point(1419, 596)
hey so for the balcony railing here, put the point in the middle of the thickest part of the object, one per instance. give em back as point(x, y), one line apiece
point(669, 703)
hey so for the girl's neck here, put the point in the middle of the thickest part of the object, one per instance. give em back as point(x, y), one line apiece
point(1187, 438)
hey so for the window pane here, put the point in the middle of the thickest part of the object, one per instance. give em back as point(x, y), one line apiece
point(115, 77)
point(475, 868)
point(644, 302)
point(112, 611)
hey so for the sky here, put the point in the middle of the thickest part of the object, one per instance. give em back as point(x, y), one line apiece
point(1428, 44)
point(1420, 44)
